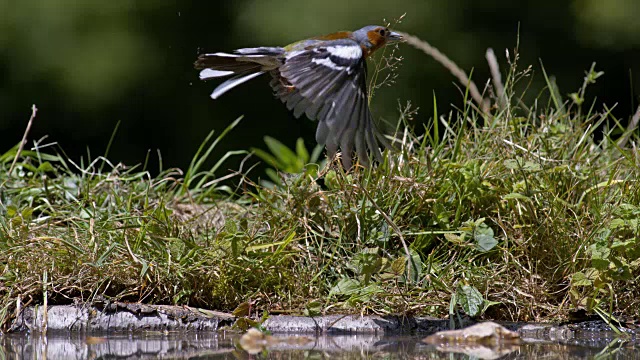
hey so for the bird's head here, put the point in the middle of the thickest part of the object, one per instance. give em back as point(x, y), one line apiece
point(373, 37)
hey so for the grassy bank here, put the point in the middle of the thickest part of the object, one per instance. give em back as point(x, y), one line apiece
point(514, 212)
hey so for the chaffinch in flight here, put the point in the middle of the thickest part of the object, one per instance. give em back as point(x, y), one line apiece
point(323, 77)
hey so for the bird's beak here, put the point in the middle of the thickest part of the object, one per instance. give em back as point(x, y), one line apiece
point(395, 37)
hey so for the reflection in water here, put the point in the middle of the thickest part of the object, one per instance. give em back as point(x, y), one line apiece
point(154, 345)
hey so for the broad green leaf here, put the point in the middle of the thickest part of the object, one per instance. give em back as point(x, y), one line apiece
point(531, 166)
point(242, 310)
point(617, 223)
point(26, 213)
point(244, 324)
point(580, 279)
point(313, 308)
point(12, 210)
point(600, 256)
point(364, 294)
point(399, 265)
point(470, 299)
point(367, 262)
point(486, 304)
point(483, 235)
point(511, 164)
point(345, 286)
point(629, 244)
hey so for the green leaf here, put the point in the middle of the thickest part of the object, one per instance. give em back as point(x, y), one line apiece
point(414, 267)
point(301, 150)
point(105, 255)
point(364, 295)
point(580, 279)
point(244, 324)
point(483, 235)
point(454, 238)
point(282, 158)
point(278, 149)
point(12, 210)
point(367, 262)
point(26, 213)
point(576, 98)
point(622, 271)
point(486, 304)
point(511, 164)
point(600, 256)
point(287, 159)
point(399, 265)
point(315, 154)
point(242, 310)
point(273, 175)
point(531, 166)
point(345, 286)
point(629, 244)
point(331, 180)
point(617, 223)
point(313, 308)
point(46, 167)
point(515, 196)
point(593, 75)
point(470, 299)
point(237, 247)
point(266, 157)
point(519, 164)
point(145, 267)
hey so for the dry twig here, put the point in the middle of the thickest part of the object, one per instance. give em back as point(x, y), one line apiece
point(496, 77)
point(34, 110)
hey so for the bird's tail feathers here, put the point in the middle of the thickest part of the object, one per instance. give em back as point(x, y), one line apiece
point(242, 60)
point(223, 64)
point(233, 82)
point(245, 64)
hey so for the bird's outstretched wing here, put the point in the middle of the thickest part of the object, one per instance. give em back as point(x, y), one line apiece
point(327, 82)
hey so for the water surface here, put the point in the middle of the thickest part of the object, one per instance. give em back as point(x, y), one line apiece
point(153, 345)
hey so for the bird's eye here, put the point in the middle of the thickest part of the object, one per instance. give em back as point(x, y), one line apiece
point(383, 32)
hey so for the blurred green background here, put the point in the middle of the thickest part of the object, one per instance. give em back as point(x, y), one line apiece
point(89, 64)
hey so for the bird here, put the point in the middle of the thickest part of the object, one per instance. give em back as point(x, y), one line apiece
point(323, 77)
